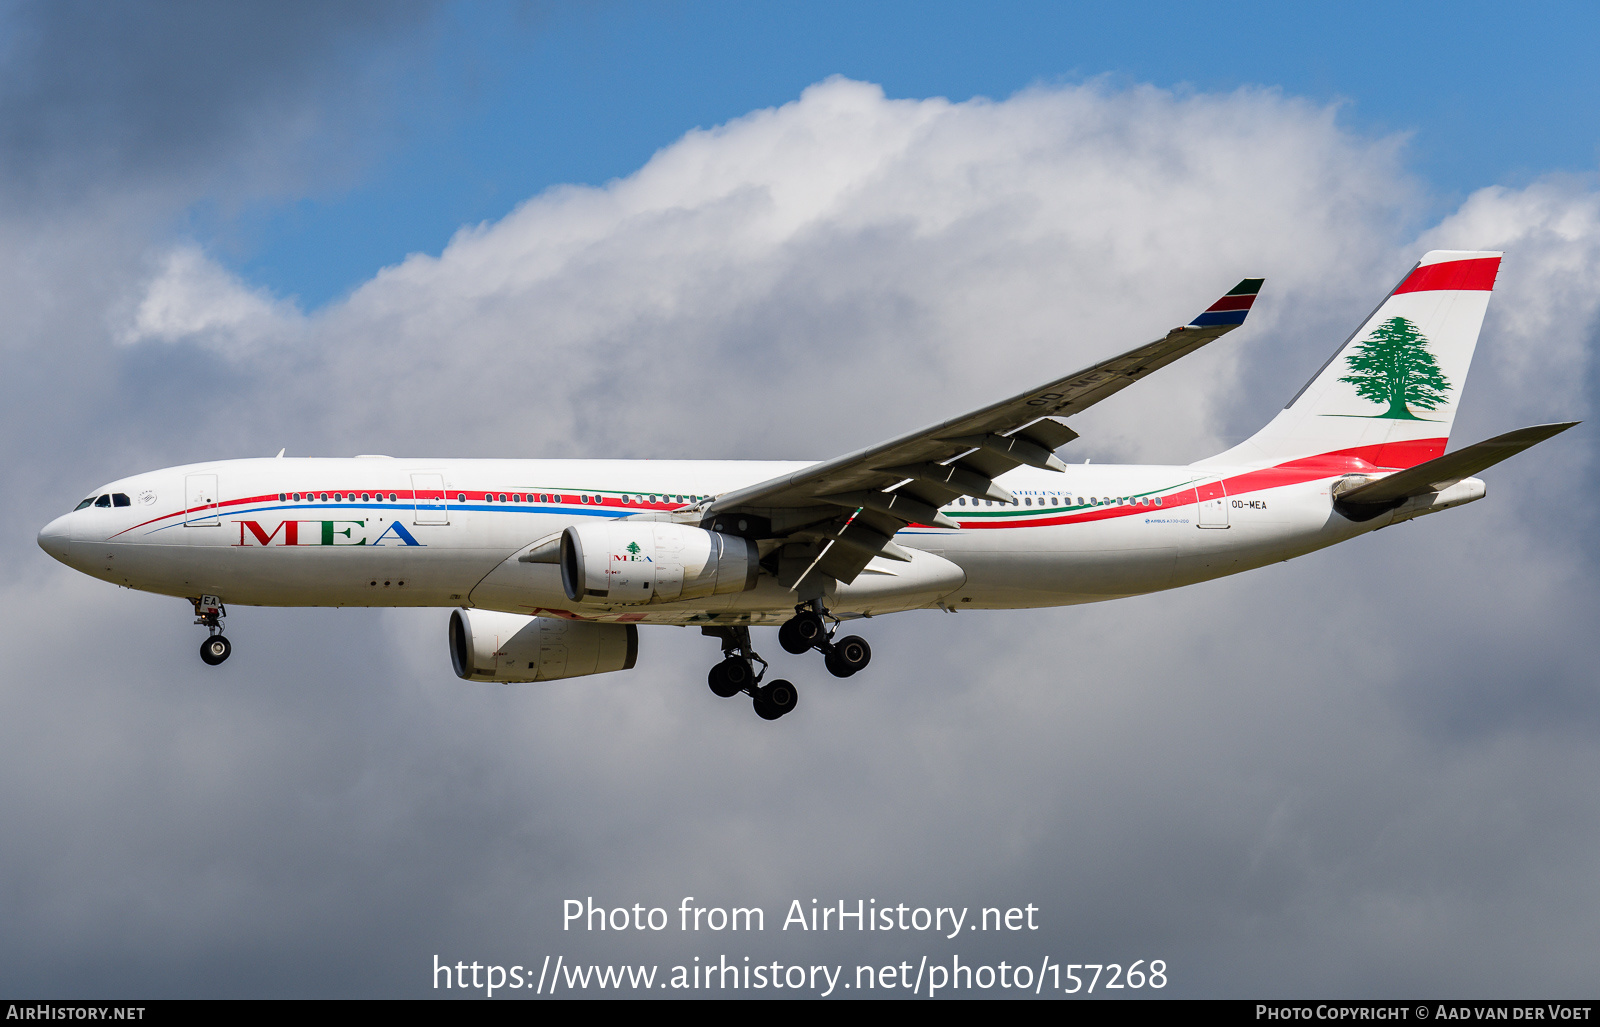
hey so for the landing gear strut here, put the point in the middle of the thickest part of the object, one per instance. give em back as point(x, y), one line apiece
point(736, 673)
point(209, 611)
point(806, 630)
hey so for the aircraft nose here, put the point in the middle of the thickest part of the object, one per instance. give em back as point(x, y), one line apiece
point(53, 538)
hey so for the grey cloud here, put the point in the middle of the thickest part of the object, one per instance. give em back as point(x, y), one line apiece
point(101, 98)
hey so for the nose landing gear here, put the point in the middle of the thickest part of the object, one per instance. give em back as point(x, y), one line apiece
point(209, 611)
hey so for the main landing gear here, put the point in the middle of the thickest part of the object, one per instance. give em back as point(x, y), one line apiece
point(209, 611)
point(736, 673)
point(805, 631)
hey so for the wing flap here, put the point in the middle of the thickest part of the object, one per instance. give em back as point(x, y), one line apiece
point(1047, 432)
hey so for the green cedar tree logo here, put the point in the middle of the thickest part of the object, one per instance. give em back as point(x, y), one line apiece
point(633, 547)
point(1394, 367)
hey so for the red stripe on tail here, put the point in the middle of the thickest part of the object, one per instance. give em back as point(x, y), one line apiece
point(1476, 275)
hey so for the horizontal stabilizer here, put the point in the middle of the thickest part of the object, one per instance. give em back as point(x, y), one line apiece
point(1441, 473)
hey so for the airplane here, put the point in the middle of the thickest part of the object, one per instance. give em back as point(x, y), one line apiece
point(550, 566)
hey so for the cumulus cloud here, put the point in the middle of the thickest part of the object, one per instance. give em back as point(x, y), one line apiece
point(193, 299)
point(1551, 233)
point(1325, 776)
point(846, 248)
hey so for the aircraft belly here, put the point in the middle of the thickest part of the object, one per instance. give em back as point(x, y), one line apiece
point(885, 586)
point(293, 576)
point(516, 587)
point(1061, 564)
point(1129, 555)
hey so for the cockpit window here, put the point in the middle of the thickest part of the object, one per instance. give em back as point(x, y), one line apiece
point(86, 502)
point(120, 499)
point(103, 501)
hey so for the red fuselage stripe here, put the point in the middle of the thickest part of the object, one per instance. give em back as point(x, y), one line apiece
point(1391, 456)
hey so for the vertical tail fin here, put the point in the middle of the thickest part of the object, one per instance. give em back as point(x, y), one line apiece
point(1388, 396)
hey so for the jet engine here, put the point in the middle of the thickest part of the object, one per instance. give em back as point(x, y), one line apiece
point(490, 646)
point(636, 562)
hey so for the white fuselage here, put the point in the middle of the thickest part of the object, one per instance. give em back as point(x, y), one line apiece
point(374, 531)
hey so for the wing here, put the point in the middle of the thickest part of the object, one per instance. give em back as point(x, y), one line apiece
point(827, 521)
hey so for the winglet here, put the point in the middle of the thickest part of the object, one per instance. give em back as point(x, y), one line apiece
point(1230, 309)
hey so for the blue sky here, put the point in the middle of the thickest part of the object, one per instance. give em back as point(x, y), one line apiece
point(503, 101)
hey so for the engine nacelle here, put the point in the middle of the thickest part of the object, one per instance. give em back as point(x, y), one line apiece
point(490, 646)
point(635, 562)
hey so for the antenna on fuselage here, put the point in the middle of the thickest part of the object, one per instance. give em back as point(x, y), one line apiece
point(281, 452)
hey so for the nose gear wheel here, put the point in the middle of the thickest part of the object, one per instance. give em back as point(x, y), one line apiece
point(215, 649)
point(209, 611)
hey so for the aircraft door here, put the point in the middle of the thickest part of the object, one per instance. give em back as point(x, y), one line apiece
point(429, 501)
point(200, 501)
point(1213, 505)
